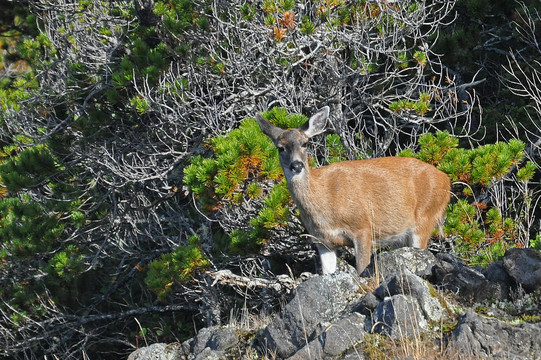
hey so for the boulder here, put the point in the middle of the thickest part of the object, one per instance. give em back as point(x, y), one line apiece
point(319, 300)
point(479, 337)
point(417, 261)
point(335, 339)
point(496, 273)
point(524, 266)
point(398, 316)
point(409, 284)
point(158, 351)
point(451, 273)
point(367, 304)
point(211, 343)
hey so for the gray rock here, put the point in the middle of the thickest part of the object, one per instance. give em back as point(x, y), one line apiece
point(211, 343)
point(318, 300)
point(417, 261)
point(367, 304)
point(354, 353)
point(208, 354)
point(406, 283)
point(495, 272)
point(158, 351)
point(335, 339)
point(398, 316)
point(481, 337)
point(454, 275)
point(524, 266)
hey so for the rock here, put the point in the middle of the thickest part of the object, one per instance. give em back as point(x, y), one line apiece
point(211, 343)
point(209, 354)
point(158, 351)
point(398, 316)
point(406, 283)
point(318, 300)
point(479, 337)
point(354, 353)
point(495, 272)
point(335, 339)
point(454, 275)
point(367, 304)
point(417, 261)
point(524, 266)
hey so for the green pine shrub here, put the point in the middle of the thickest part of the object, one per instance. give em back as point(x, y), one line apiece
point(420, 106)
point(178, 266)
point(337, 151)
point(483, 234)
point(240, 163)
point(29, 168)
point(27, 228)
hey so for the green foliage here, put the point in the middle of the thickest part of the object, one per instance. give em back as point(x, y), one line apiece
point(434, 147)
point(420, 106)
point(27, 228)
point(526, 172)
point(29, 168)
point(177, 15)
point(178, 266)
point(68, 211)
point(240, 156)
point(479, 166)
point(21, 46)
point(337, 151)
point(477, 8)
point(486, 163)
point(482, 237)
point(536, 243)
point(67, 265)
point(483, 233)
point(462, 220)
point(275, 212)
point(139, 104)
point(307, 27)
point(402, 60)
point(421, 58)
point(248, 12)
point(281, 118)
point(240, 161)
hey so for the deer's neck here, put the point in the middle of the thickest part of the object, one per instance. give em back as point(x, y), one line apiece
point(301, 190)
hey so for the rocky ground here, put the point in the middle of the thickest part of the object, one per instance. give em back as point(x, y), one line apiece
point(412, 305)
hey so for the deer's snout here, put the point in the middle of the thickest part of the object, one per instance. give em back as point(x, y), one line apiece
point(296, 167)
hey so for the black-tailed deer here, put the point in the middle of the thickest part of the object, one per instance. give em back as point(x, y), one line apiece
point(390, 201)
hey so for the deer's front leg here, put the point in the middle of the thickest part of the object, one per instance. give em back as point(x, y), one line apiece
point(328, 259)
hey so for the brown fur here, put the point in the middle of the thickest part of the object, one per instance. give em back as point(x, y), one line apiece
point(388, 201)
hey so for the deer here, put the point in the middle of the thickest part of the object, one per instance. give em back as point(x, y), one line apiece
point(365, 204)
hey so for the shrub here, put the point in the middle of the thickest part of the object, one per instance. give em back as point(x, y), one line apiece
point(483, 234)
point(243, 166)
point(180, 266)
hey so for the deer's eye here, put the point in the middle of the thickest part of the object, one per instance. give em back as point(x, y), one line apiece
point(280, 148)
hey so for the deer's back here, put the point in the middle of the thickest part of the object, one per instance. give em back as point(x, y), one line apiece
point(390, 192)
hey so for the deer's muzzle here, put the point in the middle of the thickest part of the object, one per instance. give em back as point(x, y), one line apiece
point(296, 167)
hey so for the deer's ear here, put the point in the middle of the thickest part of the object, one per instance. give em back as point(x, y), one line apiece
point(268, 129)
point(317, 123)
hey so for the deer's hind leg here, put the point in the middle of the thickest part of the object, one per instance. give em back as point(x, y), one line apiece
point(363, 249)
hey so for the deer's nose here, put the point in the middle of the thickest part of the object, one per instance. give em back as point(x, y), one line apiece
point(296, 167)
